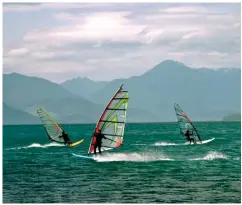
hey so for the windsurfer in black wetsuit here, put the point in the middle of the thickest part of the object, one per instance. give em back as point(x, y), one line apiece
point(188, 135)
point(99, 136)
point(65, 137)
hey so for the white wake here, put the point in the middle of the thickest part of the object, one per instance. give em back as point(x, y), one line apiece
point(133, 157)
point(166, 144)
point(180, 144)
point(37, 145)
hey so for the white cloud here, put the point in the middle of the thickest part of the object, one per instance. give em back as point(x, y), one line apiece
point(43, 55)
point(65, 16)
point(215, 53)
point(18, 52)
point(24, 7)
point(105, 44)
point(192, 34)
point(50, 55)
point(96, 27)
point(153, 34)
point(185, 9)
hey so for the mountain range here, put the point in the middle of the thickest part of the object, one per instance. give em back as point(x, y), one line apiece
point(14, 116)
point(204, 94)
point(232, 117)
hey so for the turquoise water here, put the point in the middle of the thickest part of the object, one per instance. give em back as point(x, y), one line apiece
point(153, 166)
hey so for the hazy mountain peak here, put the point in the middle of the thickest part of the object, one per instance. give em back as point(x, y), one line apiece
point(83, 86)
point(77, 79)
point(169, 66)
point(171, 62)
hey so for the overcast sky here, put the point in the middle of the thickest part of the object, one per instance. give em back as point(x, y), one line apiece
point(108, 41)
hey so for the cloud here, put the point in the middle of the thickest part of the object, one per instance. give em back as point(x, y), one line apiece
point(192, 34)
point(33, 7)
point(18, 52)
point(43, 55)
point(96, 27)
point(185, 9)
point(116, 41)
point(215, 53)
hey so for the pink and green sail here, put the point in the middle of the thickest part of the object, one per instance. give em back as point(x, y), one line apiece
point(185, 123)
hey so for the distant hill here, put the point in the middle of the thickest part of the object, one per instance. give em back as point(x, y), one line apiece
point(83, 86)
point(204, 94)
point(20, 91)
point(232, 117)
point(66, 110)
point(29, 94)
point(14, 116)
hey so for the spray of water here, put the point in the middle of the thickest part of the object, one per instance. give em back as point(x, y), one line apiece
point(37, 145)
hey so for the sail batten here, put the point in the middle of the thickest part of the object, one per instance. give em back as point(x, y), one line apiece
point(112, 122)
point(120, 98)
point(185, 123)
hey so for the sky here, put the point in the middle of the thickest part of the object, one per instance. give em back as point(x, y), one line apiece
point(106, 41)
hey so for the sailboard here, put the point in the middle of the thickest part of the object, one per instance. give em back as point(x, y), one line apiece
point(201, 142)
point(76, 143)
point(53, 130)
point(112, 122)
point(83, 157)
point(185, 123)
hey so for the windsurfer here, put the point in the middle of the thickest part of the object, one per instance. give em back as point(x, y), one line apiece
point(65, 137)
point(188, 135)
point(189, 138)
point(99, 137)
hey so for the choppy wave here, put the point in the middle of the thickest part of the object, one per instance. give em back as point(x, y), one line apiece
point(139, 144)
point(212, 156)
point(166, 144)
point(37, 145)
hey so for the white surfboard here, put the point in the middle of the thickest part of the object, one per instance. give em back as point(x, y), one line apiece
point(202, 142)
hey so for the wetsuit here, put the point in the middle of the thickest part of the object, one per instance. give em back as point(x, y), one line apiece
point(99, 137)
point(189, 138)
point(66, 138)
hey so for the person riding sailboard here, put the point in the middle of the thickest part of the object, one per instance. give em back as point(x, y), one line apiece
point(188, 133)
point(109, 130)
point(98, 144)
point(66, 138)
point(54, 131)
point(187, 129)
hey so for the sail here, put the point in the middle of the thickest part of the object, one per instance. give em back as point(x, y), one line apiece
point(112, 122)
point(185, 123)
point(53, 130)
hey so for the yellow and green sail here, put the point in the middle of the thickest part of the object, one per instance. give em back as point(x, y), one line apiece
point(112, 121)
